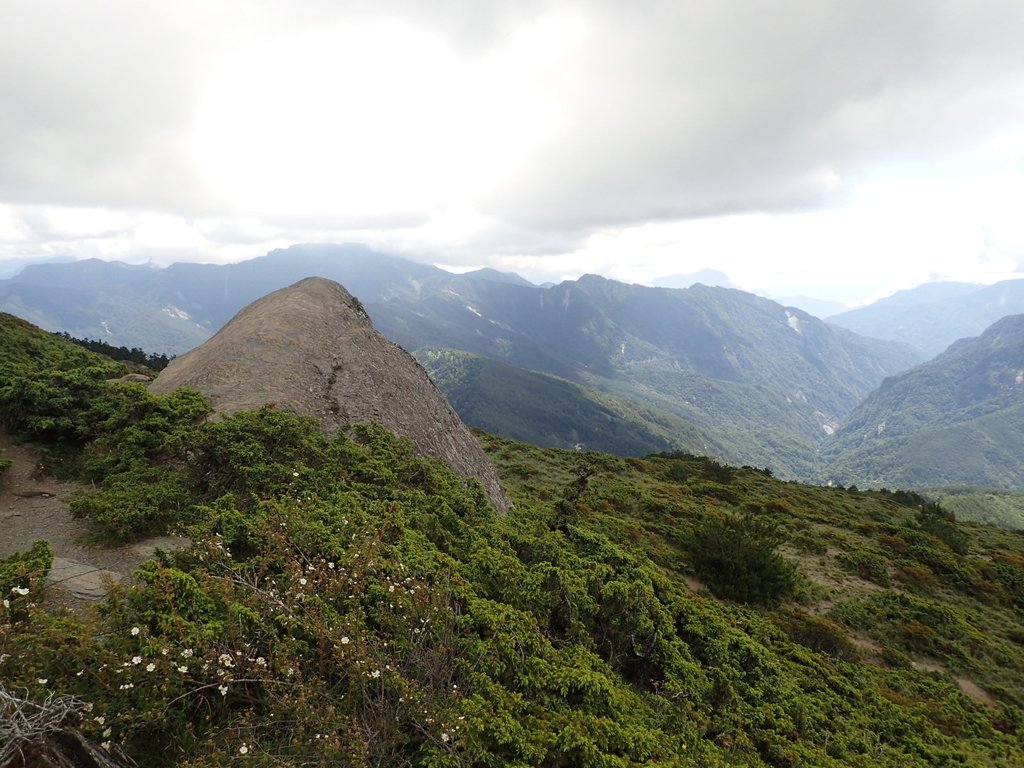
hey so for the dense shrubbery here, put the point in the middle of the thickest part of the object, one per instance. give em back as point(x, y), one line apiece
point(736, 557)
point(135, 355)
point(348, 602)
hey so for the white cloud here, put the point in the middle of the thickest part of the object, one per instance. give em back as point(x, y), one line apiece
point(794, 144)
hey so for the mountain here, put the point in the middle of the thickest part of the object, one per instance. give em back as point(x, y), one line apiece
point(710, 277)
point(311, 349)
point(757, 383)
point(767, 383)
point(548, 411)
point(956, 419)
point(817, 307)
point(933, 316)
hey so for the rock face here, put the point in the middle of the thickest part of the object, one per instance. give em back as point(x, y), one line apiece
point(311, 349)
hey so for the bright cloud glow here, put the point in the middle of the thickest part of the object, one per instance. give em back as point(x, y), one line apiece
point(842, 151)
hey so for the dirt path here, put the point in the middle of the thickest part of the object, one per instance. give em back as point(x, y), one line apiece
point(34, 507)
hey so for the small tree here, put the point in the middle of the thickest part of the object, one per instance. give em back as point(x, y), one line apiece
point(735, 556)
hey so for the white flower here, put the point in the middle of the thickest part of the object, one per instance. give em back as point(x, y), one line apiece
point(150, 667)
point(187, 653)
point(135, 631)
point(261, 662)
point(295, 474)
point(164, 651)
point(445, 736)
point(106, 733)
point(100, 720)
point(345, 640)
point(302, 581)
point(106, 745)
point(225, 659)
point(19, 590)
point(330, 565)
point(243, 750)
point(183, 669)
point(136, 660)
point(7, 603)
point(223, 690)
point(42, 680)
point(375, 674)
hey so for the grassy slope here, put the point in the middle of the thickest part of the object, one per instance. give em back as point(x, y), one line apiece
point(348, 602)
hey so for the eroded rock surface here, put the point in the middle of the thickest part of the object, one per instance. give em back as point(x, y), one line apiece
point(311, 349)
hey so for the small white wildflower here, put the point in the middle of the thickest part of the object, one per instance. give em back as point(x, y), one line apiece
point(445, 736)
point(42, 680)
point(136, 660)
point(226, 660)
point(331, 566)
point(106, 745)
point(223, 690)
point(100, 720)
point(261, 662)
point(183, 669)
point(135, 631)
point(20, 590)
point(295, 474)
point(243, 750)
point(187, 653)
point(164, 651)
point(375, 674)
point(106, 733)
point(345, 640)
point(302, 581)
point(150, 667)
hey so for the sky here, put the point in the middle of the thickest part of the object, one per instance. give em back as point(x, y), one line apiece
point(841, 150)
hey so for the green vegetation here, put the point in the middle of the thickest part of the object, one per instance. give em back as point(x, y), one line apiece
point(995, 506)
point(153, 361)
point(545, 410)
point(347, 602)
point(955, 420)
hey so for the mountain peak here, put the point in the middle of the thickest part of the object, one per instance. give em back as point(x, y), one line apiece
point(311, 348)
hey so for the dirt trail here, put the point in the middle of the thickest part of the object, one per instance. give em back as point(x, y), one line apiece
point(34, 507)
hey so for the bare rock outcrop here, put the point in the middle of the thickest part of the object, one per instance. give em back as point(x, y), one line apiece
point(311, 349)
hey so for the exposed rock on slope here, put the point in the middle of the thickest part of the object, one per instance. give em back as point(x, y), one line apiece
point(310, 348)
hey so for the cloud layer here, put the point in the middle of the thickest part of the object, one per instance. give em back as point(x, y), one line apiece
point(479, 130)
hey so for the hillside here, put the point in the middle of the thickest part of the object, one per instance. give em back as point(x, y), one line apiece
point(347, 602)
point(933, 316)
point(768, 383)
point(755, 382)
point(955, 420)
point(550, 412)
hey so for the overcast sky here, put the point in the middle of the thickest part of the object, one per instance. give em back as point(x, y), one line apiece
point(837, 149)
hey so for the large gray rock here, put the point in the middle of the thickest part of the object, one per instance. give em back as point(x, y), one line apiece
point(311, 349)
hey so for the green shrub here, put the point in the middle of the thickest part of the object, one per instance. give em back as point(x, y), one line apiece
point(23, 578)
point(866, 565)
point(735, 556)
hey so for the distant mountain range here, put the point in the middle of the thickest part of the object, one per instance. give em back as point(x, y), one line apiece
point(617, 367)
point(933, 316)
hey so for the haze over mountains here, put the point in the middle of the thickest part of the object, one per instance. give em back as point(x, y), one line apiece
point(933, 316)
point(623, 368)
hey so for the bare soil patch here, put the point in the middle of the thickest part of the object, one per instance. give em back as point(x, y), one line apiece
point(34, 507)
